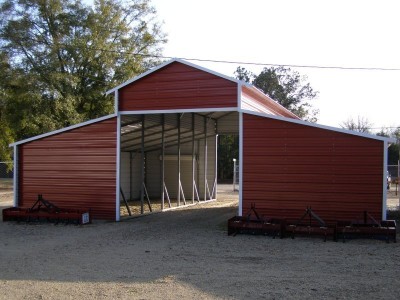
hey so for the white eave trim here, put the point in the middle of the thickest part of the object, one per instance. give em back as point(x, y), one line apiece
point(63, 130)
point(170, 62)
point(275, 103)
point(302, 122)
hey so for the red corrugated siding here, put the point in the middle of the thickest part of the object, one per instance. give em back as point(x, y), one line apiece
point(178, 86)
point(73, 169)
point(287, 167)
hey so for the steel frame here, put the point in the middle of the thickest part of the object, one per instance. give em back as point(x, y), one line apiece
point(161, 140)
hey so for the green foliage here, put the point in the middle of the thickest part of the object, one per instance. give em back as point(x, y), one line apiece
point(228, 149)
point(393, 150)
point(393, 154)
point(285, 86)
point(60, 56)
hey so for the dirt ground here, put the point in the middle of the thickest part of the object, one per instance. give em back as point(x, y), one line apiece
point(187, 254)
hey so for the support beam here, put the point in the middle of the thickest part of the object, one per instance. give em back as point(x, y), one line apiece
point(240, 212)
point(162, 161)
point(205, 159)
point(126, 202)
point(142, 168)
point(15, 179)
point(118, 167)
point(130, 174)
point(215, 187)
point(384, 196)
point(193, 160)
point(179, 158)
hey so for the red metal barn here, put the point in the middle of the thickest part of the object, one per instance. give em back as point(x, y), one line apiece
point(160, 147)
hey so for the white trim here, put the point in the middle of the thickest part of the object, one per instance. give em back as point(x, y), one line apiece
point(62, 130)
point(273, 102)
point(116, 101)
point(118, 171)
point(139, 77)
point(173, 111)
point(239, 96)
point(15, 179)
point(216, 167)
point(240, 212)
point(156, 68)
point(384, 194)
point(208, 71)
point(302, 122)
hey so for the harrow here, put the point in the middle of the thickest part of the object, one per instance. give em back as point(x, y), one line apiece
point(43, 210)
point(255, 224)
point(310, 224)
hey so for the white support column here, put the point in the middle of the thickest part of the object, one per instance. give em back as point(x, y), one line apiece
point(216, 167)
point(118, 168)
point(398, 171)
point(193, 157)
point(179, 158)
point(142, 168)
point(130, 175)
point(162, 161)
point(116, 101)
point(384, 195)
point(240, 164)
point(205, 158)
point(15, 179)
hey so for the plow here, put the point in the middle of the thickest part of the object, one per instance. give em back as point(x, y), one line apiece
point(253, 223)
point(45, 211)
point(311, 224)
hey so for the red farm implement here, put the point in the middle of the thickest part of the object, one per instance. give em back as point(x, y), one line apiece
point(310, 224)
point(368, 227)
point(44, 210)
point(255, 224)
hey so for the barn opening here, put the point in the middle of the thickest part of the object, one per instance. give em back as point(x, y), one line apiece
point(169, 160)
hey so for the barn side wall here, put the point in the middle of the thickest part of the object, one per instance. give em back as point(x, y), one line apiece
point(178, 86)
point(287, 167)
point(73, 169)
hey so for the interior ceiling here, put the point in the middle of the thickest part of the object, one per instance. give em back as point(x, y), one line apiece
point(131, 129)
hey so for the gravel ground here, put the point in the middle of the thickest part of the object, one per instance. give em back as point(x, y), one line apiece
point(187, 254)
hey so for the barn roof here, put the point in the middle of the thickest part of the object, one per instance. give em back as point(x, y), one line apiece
point(271, 110)
point(156, 68)
point(37, 137)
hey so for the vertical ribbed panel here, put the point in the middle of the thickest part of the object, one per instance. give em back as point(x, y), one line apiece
point(287, 167)
point(178, 86)
point(73, 169)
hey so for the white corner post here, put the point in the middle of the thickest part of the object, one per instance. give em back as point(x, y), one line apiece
point(205, 158)
point(215, 187)
point(384, 194)
point(118, 168)
point(193, 157)
point(15, 179)
point(398, 171)
point(179, 158)
point(240, 164)
point(162, 161)
point(234, 174)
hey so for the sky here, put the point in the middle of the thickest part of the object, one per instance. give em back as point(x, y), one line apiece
point(318, 33)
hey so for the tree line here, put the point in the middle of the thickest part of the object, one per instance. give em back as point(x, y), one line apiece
point(58, 57)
